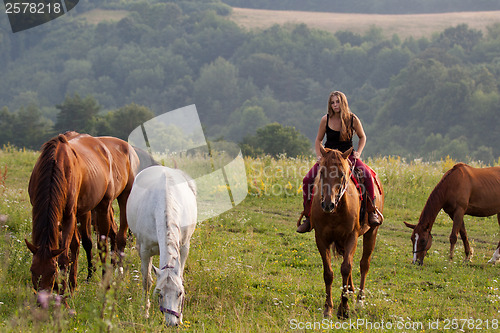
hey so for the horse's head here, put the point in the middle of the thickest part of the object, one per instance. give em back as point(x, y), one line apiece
point(170, 291)
point(422, 240)
point(43, 267)
point(334, 176)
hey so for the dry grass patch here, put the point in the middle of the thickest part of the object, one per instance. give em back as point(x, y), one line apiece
point(416, 25)
point(97, 16)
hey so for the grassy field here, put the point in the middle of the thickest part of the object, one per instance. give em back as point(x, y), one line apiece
point(416, 25)
point(249, 271)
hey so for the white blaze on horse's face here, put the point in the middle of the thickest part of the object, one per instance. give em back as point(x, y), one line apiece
point(422, 241)
point(170, 292)
point(415, 242)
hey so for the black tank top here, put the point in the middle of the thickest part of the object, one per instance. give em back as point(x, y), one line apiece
point(333, 138)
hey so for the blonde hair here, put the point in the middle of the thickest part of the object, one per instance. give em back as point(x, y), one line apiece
point(345, 115)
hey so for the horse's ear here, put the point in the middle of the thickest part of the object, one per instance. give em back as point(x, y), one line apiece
point(347, 153)
point(322, 150)
point(31, 247)
point(409, 225)
point(56, 253)
point(156, 270)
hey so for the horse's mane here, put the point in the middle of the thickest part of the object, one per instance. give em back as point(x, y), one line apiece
point(436, 198)
point(49, 193)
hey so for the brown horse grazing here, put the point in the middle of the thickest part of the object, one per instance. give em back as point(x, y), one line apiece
point(76, 174)
point(335, 215)
point(463, 190)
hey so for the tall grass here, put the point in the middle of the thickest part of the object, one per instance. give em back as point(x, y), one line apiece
point(249, 271)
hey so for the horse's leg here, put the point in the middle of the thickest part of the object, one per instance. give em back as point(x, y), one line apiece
point(121, 237)
point(326, 256)
point(458, 220)
point(496, 254)
point(346, 271)
point(112, 235)
point(66, 236)
point(369, 239)
point(184, 252)
point(75, 251)
point(147, 279)
point(86, 239)
point(103, 225)
point(469, 251)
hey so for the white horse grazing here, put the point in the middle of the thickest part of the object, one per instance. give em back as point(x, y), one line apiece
point(162, 214)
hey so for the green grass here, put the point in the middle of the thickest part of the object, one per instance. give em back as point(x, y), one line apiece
point(249, 271)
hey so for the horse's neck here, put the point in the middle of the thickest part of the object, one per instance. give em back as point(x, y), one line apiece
point(432, 207)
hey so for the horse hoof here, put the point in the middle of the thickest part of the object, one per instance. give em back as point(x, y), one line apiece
point(471, 254)
point(343, 313)
point(327, 313)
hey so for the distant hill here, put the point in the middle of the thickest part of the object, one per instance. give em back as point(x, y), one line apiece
point(416, 25)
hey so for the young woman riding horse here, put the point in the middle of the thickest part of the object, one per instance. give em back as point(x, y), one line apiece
point(339, 125)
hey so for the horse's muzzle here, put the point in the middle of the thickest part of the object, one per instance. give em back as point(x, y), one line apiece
point(327, 207)
point(418, 261)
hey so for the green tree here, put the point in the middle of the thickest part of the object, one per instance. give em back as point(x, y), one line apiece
point(270, 70)
point(127, 118)
point(216, 91)
point(6, 123)
point(246, 121)
point(77, 114)
point(31, 129)
point(275, 139)
point(459, 35)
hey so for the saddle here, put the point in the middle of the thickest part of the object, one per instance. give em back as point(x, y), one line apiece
point(358, 178)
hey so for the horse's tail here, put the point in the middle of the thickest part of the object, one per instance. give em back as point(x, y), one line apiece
point(134, 160)
point(48, 191)
point(145, 159)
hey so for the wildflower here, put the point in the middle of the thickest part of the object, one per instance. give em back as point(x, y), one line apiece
point(43, 299)
point(58, 299)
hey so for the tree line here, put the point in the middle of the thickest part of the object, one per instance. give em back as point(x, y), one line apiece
point(427, 97)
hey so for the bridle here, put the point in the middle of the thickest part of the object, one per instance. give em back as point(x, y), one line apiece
point(343, 188)
point(164, 310)
point(172, 312)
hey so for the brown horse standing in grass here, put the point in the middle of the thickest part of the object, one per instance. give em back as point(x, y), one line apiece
point(463, 190)
point(335, 216)
point(76, 174)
